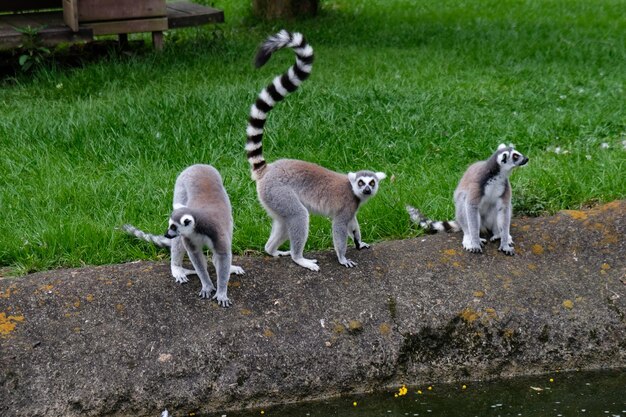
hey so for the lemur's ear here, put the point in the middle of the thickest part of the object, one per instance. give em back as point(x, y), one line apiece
point(187, 220)
point(381, 176)
point(351, 176)
point(501, 146)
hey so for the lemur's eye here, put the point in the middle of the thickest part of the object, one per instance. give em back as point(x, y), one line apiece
point(173, 227)
point(372, 183)
point(361, 183)
point(515, 157)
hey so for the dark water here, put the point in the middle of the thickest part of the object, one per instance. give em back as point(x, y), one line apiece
point(593, 394)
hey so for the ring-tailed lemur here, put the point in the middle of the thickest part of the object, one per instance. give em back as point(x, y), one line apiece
point(201, 217)
point(290, 189)
point(483, 202)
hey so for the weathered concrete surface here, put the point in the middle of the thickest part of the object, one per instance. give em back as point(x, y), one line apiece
point(127, 340)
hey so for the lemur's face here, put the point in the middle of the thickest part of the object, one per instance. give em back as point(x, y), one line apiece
point(365, 183)
point(182, 227)
point(510, 158)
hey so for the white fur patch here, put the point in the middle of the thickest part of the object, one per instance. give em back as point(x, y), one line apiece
point(265, 96)
point(279, 86)
point(256, 113)
point(256, 159)
point(304, 67)
point(296, 39)
point(293, 78)
point(283, 37)
point(251, 146)
point(178, 205)
point(253, 131)
point(305, 51)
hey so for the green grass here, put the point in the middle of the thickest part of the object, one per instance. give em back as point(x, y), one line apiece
point(416, 89)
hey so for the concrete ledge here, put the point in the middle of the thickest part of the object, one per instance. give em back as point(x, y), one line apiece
point(126, 340)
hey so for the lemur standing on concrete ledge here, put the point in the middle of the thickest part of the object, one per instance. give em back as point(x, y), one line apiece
point(290, 189)
point(202, 217)
point(483, 202)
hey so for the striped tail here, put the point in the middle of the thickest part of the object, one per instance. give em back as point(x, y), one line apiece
point(161, 241)
point(429, 225)
point(276, 91)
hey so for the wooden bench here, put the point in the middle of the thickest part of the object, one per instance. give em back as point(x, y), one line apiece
point(57, 21)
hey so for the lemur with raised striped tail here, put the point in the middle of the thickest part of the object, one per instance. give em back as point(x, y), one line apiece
point(291, 189)
point(201, 217)
point(483, 202)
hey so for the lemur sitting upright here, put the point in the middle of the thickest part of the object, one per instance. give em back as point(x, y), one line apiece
point(201, 217)
point(290, 189)
point(483, 202)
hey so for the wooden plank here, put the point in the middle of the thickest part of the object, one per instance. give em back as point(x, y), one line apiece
point(51, 29)
point(105, 10)
point(70, 14)
point(127, 26)
point(20, 5)
point(59, 35)
point(22, 21)
point(185, 14)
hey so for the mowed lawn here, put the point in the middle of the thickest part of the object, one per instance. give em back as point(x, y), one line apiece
point(417, 89)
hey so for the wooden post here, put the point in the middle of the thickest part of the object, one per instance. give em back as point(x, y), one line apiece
point(157, 40)
point(123, 40)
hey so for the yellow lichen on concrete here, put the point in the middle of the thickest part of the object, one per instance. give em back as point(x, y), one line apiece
point(537, 249)
point(385, 329)
point(450, 252)
point(605, 267)
point(245, 312)
point(45, 288)
point(338, 328)
point(8, 323)
point(576, 214)
point(268, 333)
point(469, 315)
point(90, 297)
point(479, 294)
point(491, 313)
point(568, 304)
point(7, 293)
point(355, 325)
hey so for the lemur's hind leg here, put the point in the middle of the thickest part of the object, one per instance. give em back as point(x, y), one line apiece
point(234, 269)
point(176, 263)
point(278, 236)
point(298, 230)
point(468, 217)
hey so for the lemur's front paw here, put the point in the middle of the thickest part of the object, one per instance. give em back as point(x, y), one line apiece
point(308, 263)
point(206, 292)
point(483, 241)
point(473, 247)
point(508, 250)
point(362, 245)
point(237, 270)
point(222, 300)
point(180, 274)
point(347, 263)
